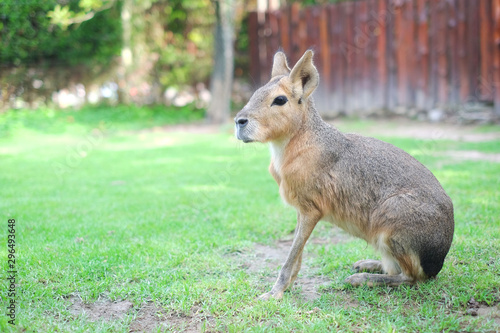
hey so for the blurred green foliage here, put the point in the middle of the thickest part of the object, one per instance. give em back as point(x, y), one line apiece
point(90, 32)
point(27, 36)
point(178, 31)
point(185, 48)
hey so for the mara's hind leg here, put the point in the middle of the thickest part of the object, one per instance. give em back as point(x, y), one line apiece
point(368, 265)
point(399, 266)
point(388, 265)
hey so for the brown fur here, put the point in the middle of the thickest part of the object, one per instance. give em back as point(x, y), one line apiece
point(367, 187)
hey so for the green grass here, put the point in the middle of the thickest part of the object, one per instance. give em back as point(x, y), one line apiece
point(106, 212)
point(118, 117)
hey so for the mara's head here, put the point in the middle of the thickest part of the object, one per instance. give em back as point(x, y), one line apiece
point(277, 109)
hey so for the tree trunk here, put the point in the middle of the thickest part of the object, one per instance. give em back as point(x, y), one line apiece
point(126, 65)
point(222, 77)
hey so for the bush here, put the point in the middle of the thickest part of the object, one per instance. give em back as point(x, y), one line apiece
point(27, 36)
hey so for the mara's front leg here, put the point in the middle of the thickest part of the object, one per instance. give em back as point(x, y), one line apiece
point(289, 271)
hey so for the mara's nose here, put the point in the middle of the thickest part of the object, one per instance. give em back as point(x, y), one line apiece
point(241, 122)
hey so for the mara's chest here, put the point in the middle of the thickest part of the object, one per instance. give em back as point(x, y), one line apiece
point(277, 150)
point(295, 174)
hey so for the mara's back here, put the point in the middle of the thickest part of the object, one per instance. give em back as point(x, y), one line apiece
point(375, 167)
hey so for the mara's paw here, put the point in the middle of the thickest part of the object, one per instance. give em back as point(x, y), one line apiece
point(368, 265)
point(271, 294)
point(371, 280)
point(358, 279)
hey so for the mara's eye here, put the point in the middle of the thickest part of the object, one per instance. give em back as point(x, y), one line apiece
point(280, 100)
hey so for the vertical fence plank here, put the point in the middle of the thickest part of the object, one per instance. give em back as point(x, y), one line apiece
point(405, 40)
point(263, 46)
point(285, 31)
point(358, 44)
point(324, 56)
point(310, 38)
point(253, 37)
point(279, 36)
point(381, 16)
point(392, 93)
point(400, 51)
point(350, 57)
point(312, 19)
point(372, 30)
point(344, 55)
point(275, 33)
point(486, 36)
point(422, 55)
point(473, 47)
point(433, 55)
point(294, 32)
point(336, 69)
point(440, 46)
point(371, 27)
point(364, 44)
point(302, 34)
point(266, 70)
point(462, 50)
point(496, 56)
point(274, 37)
point(314, 43)
point(453, 51)
point(412, 49)
point(266, 33)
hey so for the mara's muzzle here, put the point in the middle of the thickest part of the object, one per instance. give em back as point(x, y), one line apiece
point(241, 131)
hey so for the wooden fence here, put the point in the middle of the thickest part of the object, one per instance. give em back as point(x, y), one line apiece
point(388, 54)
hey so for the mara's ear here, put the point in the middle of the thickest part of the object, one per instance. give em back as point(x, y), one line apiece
point(304, 75)
point(280, 66)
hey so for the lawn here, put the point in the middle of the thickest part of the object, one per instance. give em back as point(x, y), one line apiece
point(123, 226)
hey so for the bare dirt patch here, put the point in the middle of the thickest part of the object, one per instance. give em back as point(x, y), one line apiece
point(148, 318)
point(265, 260)
point(490, 312)
point(151, 318)
point(477, 309)
point(102, 310)
point(269, 258)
